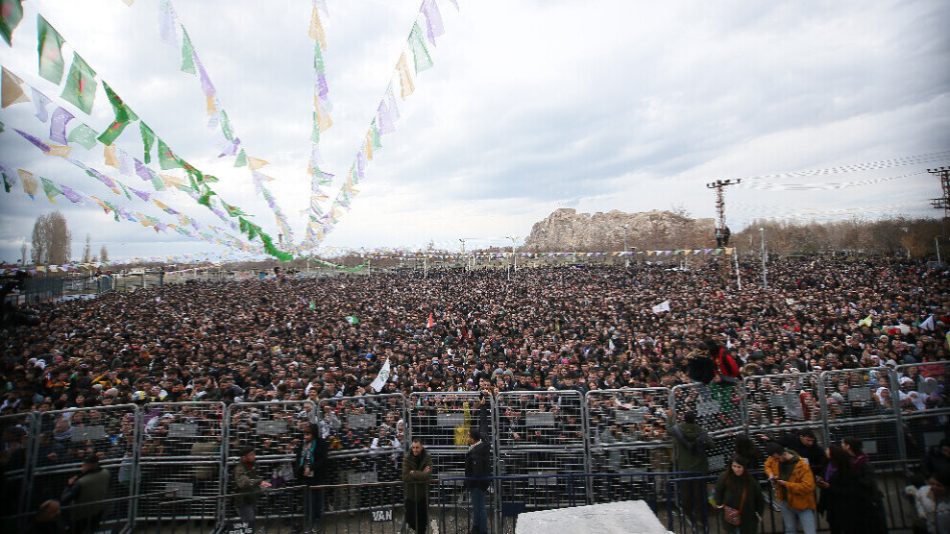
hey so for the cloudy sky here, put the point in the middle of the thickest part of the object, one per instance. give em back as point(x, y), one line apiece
point(532, 105)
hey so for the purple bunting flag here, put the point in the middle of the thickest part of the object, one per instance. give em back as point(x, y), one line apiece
point(36, 142)
point(125, 162)
point(144, 172)
point(41, 101)
point(74, 196)
point(144, 195)
point(434, 26)
point(57, 125)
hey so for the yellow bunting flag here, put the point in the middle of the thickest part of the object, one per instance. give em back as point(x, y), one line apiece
point(171, 181)
point(12, 90)
point(369, 146)
point(108, 154)
point(316, 29)
point(28, 181)
point(324, 121)
point(212, 107)
point(256, 163)
point(59, 150)
point(406, 87)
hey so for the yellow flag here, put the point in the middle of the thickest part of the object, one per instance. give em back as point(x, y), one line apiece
point(369, 147)
point(12, 90)
point(405, 78)
point(59, 150)
point(256, 163)
point(171, 181)
point(108, 154)
point(316, 29)
point(865, 322)
point(28, 181)
point(209, 103)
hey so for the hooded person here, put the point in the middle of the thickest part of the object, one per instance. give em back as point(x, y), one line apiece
point(690, 442)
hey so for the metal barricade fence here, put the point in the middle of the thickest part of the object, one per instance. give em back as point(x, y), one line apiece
point(540, 433)
point(782, 403)
point(17, 433)
point(181, 453)
point(924, 399)
point(367, 437)
point(627, 432)
point(720, 411)
point(65, 437)
point(275, 431)
point(442, 421)
point(861, 403)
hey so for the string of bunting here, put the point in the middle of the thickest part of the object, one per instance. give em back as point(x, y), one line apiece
point(80, 90)
point(321, 222)
point(498, 255)
point(84, 136)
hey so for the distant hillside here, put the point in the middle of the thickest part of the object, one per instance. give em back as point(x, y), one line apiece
point(567, 230)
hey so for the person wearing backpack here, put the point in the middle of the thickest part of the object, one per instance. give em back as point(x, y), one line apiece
point(739, 498)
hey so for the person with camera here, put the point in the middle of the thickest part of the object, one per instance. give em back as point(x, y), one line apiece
point(794, 486)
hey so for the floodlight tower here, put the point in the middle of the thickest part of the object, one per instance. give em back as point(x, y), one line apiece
point(719, 185)
point(944, 202)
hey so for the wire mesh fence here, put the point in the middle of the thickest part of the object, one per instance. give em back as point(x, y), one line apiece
point(924, 405)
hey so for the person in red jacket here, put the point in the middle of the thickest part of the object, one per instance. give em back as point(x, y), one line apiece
point(727, 376)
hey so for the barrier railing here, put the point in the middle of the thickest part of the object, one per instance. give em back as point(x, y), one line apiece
point(191, 448)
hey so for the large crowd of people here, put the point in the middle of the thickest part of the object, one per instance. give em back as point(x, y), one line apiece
point(559, 332)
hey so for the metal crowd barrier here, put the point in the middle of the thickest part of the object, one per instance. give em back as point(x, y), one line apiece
point(191, 448)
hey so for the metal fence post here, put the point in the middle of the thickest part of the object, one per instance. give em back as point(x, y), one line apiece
point(898, 420)
point(823, 404)
point(136, 469)
point(225, 451)
point(585, 426)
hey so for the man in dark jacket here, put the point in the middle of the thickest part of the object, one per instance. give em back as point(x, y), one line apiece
point(690, 442)
point(88, 487)
point(311, 466)
point(248, 482)
point(478, 471)
point(416, 471)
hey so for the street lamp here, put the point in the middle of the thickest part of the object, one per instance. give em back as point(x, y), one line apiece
point(765, 275)
point(513, 254)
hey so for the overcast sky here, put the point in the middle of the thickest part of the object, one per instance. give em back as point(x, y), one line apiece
point(532, 105)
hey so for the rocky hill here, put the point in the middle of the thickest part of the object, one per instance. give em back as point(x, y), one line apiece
point(567, 230)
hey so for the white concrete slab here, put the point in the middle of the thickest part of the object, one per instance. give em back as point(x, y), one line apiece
point(623, 517)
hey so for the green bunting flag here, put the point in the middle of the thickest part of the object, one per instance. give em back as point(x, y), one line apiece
point(166, 158)
point(50, 50)
point(274, 251)
point(187, 53)
point(148, 141)
point(84, 135)
point(8, 181)
point(241, 159)
point(419, 53)
point(11, 13)
point(353, 320)
point(226, 126)
point(157, 183)
point(81, 85)
point(50, 189)
point(123, 116)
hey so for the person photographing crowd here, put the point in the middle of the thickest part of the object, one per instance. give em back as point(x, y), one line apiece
point(794, 486)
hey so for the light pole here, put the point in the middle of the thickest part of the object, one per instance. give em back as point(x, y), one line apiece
point(765, 275)
point(464, 263)
point(626, 258)
point(937, 244)
point(514, 256)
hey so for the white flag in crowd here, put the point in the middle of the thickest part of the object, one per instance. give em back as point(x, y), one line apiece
point(381, 378)
point(928, 323)
point(662, 307)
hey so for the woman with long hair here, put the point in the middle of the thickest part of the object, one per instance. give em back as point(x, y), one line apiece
point(739, 498)
point(848, 496)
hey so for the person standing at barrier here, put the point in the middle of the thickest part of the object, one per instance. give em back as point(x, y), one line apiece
point(416, 472)
point(311, 470)
point(805, 443)
point(248, 482)
point(690, 442)
point(794, 486)
point(739, 498)
point(477, 473)
point(849, 497)
point(89, 486)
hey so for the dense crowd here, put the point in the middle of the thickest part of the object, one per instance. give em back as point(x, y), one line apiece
point(585, 328)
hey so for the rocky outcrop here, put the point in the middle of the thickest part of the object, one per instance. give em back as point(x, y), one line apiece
point(567, 230)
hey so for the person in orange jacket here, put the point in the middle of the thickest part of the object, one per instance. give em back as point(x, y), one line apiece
point(794, 485)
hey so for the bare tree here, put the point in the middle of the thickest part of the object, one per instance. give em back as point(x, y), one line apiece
point(51, 240)
point(103, 254)
point(87, 251)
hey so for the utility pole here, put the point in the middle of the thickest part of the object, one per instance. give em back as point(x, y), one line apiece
point(735, 262)
point(722, 239)
point(464, 263)
point(625, 257)
point(765, 271)
point(514, 256)
point(944, 202)
point(937, 244)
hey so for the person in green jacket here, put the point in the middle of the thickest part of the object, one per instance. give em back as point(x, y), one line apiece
point(416, 470)
point(248, 483)
point(82, 493)
point(738, 489)
point(690, 442)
